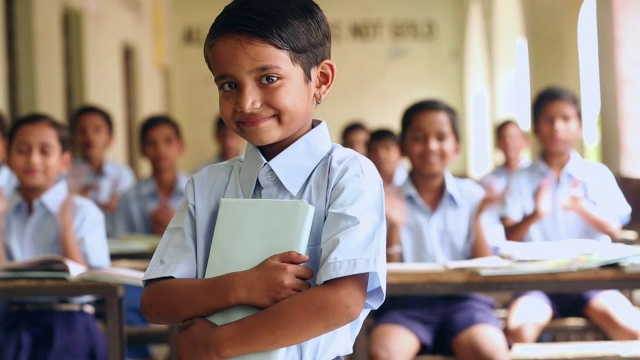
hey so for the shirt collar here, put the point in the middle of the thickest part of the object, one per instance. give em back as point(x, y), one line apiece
point(451, 188)
point(573, 167)
point(293, 165)
point(52, 199)
point(149, 187)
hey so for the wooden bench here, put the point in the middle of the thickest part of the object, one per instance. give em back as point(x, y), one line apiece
point(577, 350)
point(586, 350)
point(154, 334)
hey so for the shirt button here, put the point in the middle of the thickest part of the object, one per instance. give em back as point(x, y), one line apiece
point(271, 175)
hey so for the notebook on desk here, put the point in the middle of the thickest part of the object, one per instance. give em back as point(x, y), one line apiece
point(247, 232)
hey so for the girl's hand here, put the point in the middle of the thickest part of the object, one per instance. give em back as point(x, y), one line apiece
point(65, 216)
point(275, 279)
point(543, 202)
point(195, 340)
point(161, 216)
point(575, 200)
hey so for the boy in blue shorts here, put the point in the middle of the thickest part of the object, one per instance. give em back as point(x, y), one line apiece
point(44, 218)
point(563, 196)
point(442, 224)
point(271, 63)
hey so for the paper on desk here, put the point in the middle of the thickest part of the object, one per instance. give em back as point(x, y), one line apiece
point(564, 249)
point(402, 267)
point(481, 262)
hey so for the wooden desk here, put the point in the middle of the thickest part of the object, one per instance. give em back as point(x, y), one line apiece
point(461, 282)
point(111, 293)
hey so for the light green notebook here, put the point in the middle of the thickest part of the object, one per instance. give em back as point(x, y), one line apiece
point(247, 232)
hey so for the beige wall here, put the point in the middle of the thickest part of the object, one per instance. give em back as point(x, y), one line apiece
point(4, 100)
point(106, 27)
point(379, 74)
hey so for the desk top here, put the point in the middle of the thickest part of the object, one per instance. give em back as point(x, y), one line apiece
point(461, 281)
point(57, 288)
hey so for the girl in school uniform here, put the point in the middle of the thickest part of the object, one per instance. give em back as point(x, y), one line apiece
point(441, 225)
point(44, 218)
point(563, 196)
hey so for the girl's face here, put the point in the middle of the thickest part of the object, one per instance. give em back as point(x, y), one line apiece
point(37, 158)
point(264, 96)
point(430, 143)
point(558, 127)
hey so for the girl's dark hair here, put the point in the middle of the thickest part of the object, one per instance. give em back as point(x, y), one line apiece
point(87, 109)
point(551, 94)
point(298, 27)
point(4, 127)
point(354, 126)
point(430, 105)
point(37, 118)
point(383, 134)
point(503, 125)
point(155, 121)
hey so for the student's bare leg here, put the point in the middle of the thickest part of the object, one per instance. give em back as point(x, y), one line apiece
point(528, 315)
point(393, 342)
point(480, 342)
point(615, 315)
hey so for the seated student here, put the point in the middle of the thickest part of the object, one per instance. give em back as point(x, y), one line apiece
point(441, 225)
point(271, 64)
point(385, 153)
point(92, 175)
point(44, 218)
point(356, 136)
point(512, 142)
point(8, 181)
point(230, 144)
point(563, 196)
point(149, 206)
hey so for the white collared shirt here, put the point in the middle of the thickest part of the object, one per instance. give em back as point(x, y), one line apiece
point(113, 177)
point(30, 235)
point(348, 234)
point(137, 204)
point(446, 232)
point(596, 182)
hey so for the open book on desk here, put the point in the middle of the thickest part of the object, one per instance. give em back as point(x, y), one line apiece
point(247, 232)
point(60, 267)
point(561, 256)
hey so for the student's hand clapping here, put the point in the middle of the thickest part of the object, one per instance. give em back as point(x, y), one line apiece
point(161, 216)
point(111, 205)
point(275, 279)
point(543, 198)
point(194, 340)
point(575, 200)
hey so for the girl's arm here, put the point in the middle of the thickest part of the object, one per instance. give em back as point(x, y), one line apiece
point(582, 208)
point(68, 239)
point(294, 320)
point(172, 301)
point(480, 245)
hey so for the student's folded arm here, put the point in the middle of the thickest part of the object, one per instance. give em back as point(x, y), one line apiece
point(172, 301)
point(296, 319)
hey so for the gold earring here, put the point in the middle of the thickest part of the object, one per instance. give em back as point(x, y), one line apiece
point(319, 100)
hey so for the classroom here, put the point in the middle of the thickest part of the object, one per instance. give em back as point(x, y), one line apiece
point(138, 67)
